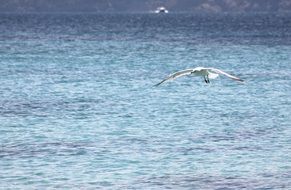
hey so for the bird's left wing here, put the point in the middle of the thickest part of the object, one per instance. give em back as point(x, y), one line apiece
point(176, 75)
point(218, 71)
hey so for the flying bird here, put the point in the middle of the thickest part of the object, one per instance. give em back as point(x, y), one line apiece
point(206, 73)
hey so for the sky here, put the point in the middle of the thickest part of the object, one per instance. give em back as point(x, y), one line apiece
point(212, 6)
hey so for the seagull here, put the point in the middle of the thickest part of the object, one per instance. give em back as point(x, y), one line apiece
point(206, 73)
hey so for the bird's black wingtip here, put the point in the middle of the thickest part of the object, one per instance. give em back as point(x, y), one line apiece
point(241, 80)
point(156, 85)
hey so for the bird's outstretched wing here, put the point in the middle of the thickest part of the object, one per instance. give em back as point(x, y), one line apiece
point(176, 75)
point(224, 73)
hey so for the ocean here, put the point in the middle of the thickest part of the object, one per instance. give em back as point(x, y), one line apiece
point(79, 110)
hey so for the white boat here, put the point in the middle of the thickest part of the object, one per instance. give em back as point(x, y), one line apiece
point(161, 10)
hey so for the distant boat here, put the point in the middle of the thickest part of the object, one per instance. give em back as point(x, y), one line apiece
point(161, 10)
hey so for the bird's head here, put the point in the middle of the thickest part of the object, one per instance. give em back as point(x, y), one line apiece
point(195, 70)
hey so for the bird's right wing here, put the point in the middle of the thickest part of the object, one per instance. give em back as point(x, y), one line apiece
point(218, 71)
point(176, 75)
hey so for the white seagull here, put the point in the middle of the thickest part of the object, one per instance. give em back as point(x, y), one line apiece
point(207, 73)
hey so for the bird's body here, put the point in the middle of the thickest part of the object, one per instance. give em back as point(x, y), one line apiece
point(206, 73)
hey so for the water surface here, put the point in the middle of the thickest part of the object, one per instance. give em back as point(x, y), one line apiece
point(78, 109)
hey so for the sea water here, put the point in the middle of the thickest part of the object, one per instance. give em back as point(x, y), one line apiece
point(78, 109)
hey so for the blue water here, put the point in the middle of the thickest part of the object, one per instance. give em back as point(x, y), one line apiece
point(78, 109)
